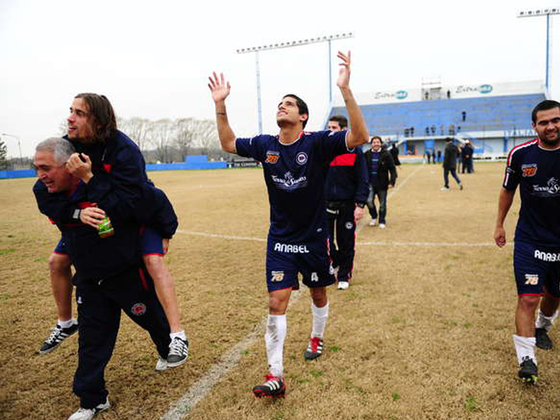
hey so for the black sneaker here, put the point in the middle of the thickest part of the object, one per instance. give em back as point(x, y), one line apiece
point(314, 349)
point(274, 387)
point(543, 340)
point(529, 372)
point(178, 352)
point(58, 335)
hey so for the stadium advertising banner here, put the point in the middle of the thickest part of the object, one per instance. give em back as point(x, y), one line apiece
point(444, 92)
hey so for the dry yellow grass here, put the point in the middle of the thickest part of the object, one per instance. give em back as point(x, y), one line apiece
point(424, 332)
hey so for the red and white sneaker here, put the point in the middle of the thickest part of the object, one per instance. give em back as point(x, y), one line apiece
point(314, 349)
point(274, 387)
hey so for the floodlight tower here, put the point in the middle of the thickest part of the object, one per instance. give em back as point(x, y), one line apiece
point(288, 44)
point(543, 12)
point(18, 142)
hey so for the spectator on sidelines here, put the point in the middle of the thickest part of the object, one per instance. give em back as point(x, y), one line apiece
point(116, 160)
point(533, 166)
point(109, 271)
point(467, 157)
point(294, 165)
point(450, 156)
point(395, 154)
point(346, 193)
point(382, 177)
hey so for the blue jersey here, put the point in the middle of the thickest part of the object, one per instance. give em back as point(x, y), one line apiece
point(537, 172)
point(295, 178)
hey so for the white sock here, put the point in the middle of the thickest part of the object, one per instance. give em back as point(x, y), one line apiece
point(66, 324)
point(180, 334)
point(544, 321)
point(320, 316)
point(525, 347)
point(276, 328)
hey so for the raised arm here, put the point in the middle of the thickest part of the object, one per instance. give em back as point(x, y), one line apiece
point(220, 91)
point(504, 204)
point(358, 133)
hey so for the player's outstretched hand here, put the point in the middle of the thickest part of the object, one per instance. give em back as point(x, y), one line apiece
point(344, 73)
point(500, 236)
point(219, 87)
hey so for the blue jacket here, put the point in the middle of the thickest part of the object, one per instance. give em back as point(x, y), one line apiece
point(121, 188)
point(347, 178)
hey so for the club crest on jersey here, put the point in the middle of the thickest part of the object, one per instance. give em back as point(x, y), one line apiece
point(277, 276)
point(138, 309)
point(301, 158)
point(272, 157)
point(529, 170)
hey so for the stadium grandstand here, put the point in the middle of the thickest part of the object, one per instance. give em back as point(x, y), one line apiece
point(493, 117)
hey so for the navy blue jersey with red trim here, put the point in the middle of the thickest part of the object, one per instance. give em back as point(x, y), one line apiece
point(347, 178)
point(295, 179)
point(537, 172)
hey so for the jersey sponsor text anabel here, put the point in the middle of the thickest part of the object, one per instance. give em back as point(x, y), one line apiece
point(295, 179)
point(537, 172)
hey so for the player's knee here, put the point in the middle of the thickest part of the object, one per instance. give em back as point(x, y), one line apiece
point(277, 304)
point(319, 296)
point(59, 263)
point(153, 262)
point(528, 303)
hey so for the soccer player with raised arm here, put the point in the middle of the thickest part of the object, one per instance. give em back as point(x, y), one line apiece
point(534, 167)
point(294, 165)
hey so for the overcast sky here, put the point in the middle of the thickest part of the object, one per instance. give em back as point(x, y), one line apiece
point(152, 58)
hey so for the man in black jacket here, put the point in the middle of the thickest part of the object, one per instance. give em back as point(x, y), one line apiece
point(109, 276)
point(346, 192)
point(382, 177)
point(450, 155)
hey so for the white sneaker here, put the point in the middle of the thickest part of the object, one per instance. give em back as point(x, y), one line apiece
point(343, 285)
point(373, 221)
point(445, 188)
point(89, 413)
point(161, 364)
point(381, 225)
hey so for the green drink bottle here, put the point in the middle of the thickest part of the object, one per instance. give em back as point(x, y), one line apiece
point(105, 228)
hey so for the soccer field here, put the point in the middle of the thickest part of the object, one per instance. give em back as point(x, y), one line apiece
point(424, 332)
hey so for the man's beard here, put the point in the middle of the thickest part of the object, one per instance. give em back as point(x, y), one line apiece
point(555, 142)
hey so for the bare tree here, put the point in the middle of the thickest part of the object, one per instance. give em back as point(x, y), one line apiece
point(206, 135)
point(184, 135)
point(138, 129)
point(3, 154)
point(162, 135)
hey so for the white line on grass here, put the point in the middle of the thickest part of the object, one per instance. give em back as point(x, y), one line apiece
point(458, 244)
point(388, 243)
point(196, 393)
point(216, 235)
